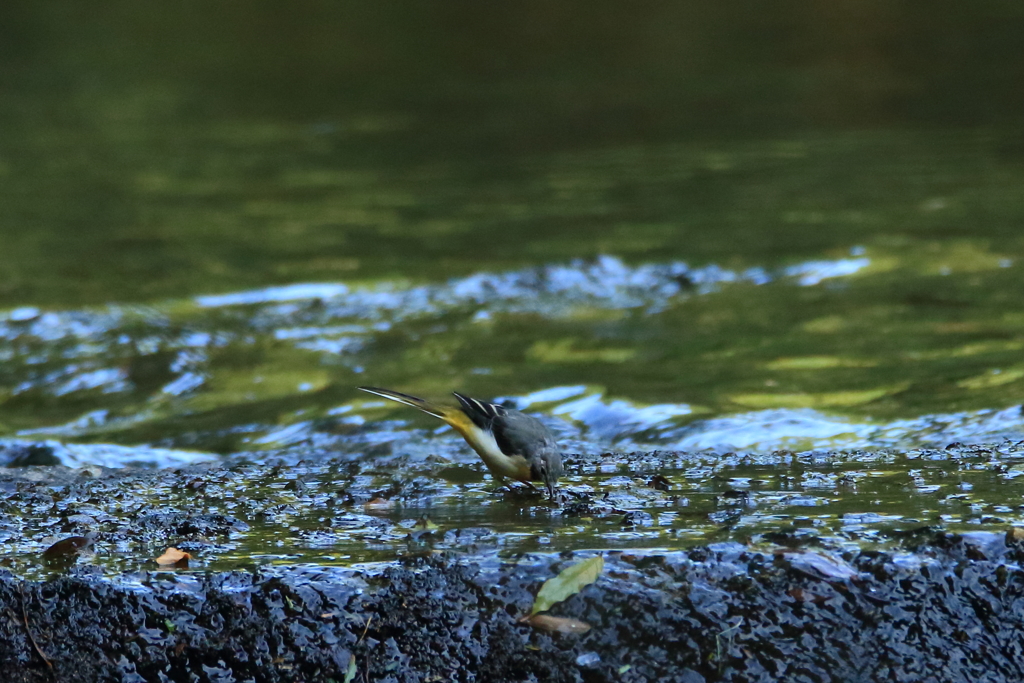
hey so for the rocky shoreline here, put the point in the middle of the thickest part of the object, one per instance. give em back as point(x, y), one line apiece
point(951, 610)
point(430, 602)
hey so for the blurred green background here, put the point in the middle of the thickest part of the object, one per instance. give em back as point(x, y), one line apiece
point(151, 153)
point(154, 151)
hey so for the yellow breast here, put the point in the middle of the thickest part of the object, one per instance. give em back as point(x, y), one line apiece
point(501, 465)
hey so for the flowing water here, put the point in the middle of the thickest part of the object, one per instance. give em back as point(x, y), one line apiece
point(679, 230)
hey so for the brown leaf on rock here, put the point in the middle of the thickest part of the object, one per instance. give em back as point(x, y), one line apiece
point(546, 622)
point(72, 545)
point(173, 557)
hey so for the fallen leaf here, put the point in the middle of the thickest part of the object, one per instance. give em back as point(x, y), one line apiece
point(568, 583)
point(173, 557)
point(70, 546)
point(350, 675)
point(546, 622)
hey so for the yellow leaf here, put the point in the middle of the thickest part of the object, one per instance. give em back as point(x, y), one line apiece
point(568, 583)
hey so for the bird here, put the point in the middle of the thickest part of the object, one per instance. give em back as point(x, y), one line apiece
point(512, 444)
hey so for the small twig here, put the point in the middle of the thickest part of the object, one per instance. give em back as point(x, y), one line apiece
point(366, 671)
point(32, 638)
point(368, 620)
point(366, 674)
point(718, 642)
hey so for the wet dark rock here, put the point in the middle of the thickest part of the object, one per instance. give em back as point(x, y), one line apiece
point(78, 522)
point(637, 518)
point(796, 605)
point(468, 537)
point(659, 483)
point(721, 613)
point(184, 524)
point(27, 455)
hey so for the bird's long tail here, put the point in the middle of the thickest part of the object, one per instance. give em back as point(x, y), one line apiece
point(418, 403)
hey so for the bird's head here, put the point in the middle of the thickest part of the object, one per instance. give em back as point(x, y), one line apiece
point(547, 467)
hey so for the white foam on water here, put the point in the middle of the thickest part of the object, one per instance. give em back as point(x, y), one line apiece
point(115, 456)
point(297, 292)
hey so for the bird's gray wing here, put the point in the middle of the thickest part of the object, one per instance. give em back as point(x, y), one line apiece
point(519, 434)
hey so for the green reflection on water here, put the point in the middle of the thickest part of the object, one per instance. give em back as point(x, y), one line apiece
point(916, 332)
point(346, 142)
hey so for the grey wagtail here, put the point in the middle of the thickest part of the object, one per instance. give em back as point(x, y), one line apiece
point(512, 444)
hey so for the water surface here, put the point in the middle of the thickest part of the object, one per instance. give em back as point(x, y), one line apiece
point(681, 228)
